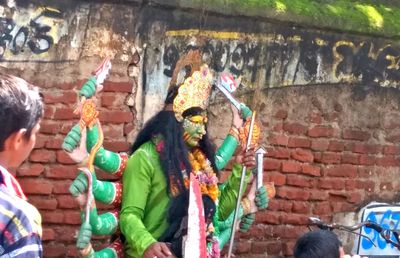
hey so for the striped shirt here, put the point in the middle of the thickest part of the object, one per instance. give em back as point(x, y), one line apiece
point(20, 225)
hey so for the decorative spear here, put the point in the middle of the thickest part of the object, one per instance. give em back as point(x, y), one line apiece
point(234, 224)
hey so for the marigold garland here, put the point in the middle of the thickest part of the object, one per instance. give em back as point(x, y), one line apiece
point(201, 168)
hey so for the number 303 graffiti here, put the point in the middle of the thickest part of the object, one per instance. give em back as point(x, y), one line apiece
point(34, 35)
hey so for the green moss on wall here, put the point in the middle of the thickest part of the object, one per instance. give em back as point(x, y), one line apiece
point(358, 16)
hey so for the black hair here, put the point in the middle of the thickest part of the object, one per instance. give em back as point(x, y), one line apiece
point(21, 107)
point(318, 244)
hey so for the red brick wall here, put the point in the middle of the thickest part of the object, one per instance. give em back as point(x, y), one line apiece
point(330, 151)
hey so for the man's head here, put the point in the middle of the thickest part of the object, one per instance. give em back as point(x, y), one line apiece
point(21, 108)
point(318, 244)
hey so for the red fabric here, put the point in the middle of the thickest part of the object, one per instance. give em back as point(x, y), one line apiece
point(11, 183)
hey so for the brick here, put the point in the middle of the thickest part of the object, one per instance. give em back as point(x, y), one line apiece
point(387, 161)
point(53, 217)
point(65, 114)
point(299, 143)
point(110, 86)
point(275, 177)
point(64, 158)
point(393, 138)
point(338, 196)
point(331, 183)
point(341, 207)
point(62, 172)
point(355, 197)
point(341, 171)
point(117, 146)
point(278, 128)
point(391, 150)
point(295, 128)
point(258, 247)
point(61, 186)
point(67, 202)
point(108, 100)
point(348, 158)
point(113, 131)
point(331, 117)
point(279, 153)
point(128, 128)
point(367, 185)
point(54, 143)
point(367, 160)
point(268, 217)
point(301, 207)
point(318, 195)
point(319, 145)
point(48, 234)
point(41, 155)
point(293, 193)
point(243, 247)
point(72, 218)
point(36, 185)
point(336, 146)
point(315, 118)
point(295, 180)
point(48, 112)
point(302, 155)
point(291, 167)
point(288, 248)
point(322, 208)
point(357, 135)
point(271, 164)
point(40, 141)
point(279, 139)
point(366, 148)
point(49, 127)
point(66, 127)
point(272, 248)
point(321, 131)
point(310, 170)
point(56, 97)
point(330, 158)
point(281, 114)
point(43, 202)
point(116, 116)
point(68, 234)
point(386, 186)
point(285, 205)
point(294, 219)
point(54, 250)
point(32, 169)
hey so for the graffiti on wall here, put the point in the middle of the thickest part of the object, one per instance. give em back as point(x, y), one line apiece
point(29, 32)
point(388, 216)
point(279, 60)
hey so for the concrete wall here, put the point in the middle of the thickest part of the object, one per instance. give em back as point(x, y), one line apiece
point(327, 101)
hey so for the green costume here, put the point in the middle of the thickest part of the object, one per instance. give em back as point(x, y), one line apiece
point(145, 199)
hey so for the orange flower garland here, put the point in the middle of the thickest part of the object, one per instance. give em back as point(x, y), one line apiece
point(201, 168)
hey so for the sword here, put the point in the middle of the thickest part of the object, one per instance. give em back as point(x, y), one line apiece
point(259, 159)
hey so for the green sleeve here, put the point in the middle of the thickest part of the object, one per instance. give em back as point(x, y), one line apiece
point(137, 185)
point(228, 196)
point(225, 151)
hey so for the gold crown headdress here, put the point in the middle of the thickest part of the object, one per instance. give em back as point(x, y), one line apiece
point(194, 92)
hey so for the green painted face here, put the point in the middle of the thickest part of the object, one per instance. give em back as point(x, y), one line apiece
point(195, 129)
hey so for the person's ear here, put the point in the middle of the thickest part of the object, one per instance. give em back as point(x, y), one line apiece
point(15, 140)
